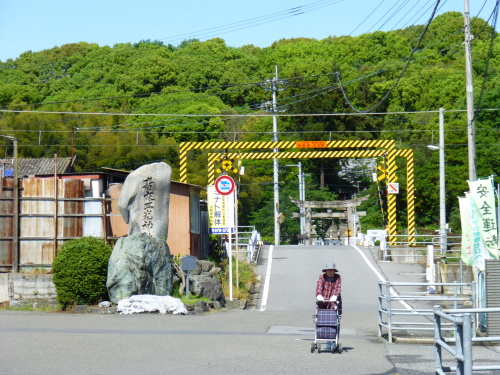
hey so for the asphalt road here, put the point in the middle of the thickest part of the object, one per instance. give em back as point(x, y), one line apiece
point(273, 338)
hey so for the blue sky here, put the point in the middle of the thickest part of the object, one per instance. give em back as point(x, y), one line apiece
point(37, 25)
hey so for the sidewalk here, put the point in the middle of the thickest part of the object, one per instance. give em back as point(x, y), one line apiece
point(413, 351)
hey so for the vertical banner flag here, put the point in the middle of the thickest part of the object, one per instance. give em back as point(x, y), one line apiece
point(479, 251)
point(220, 211)
point(482, 195)
point(467, 256)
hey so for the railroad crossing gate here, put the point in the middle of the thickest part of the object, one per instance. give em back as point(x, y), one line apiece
point(341, 149)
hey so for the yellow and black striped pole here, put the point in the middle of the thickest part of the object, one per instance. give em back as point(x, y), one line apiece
point(410, 193)
point(410, 197)
point(392, 224)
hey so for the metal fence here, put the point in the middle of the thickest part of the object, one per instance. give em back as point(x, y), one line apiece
point(418, 247)
point(412, 318)
point(247, 243)
point(424, 240)
point(464, 324)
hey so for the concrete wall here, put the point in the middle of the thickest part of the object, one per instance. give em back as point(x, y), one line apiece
point(404, 255)
point(24, 287)
point(4, 287)
point(449, 273)
point(445, 273)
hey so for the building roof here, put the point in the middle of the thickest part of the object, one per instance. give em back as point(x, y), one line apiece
point(36, 167)
point(45, 167)
point(124, 174)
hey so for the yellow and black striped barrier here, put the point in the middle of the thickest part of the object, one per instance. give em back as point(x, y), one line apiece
point(383, 148)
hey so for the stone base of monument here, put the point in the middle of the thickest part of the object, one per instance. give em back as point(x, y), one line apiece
point(204, 283)
point(139, 264)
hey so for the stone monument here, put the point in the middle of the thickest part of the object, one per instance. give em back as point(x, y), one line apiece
point(141, 262)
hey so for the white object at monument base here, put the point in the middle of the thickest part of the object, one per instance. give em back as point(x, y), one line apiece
point(149, 303)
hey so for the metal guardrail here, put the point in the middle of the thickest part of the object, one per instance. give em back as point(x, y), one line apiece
point(388, 295)
point(249, 242)
point(423, 240)
point(464, 336)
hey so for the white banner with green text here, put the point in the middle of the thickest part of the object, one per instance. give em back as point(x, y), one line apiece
point(483, 198)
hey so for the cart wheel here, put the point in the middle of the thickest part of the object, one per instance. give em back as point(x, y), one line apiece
point(334, 346)
point(313, 347)
point(339, 348)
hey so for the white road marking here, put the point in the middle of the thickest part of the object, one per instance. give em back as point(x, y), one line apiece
point(381, 278)
point(267, 280)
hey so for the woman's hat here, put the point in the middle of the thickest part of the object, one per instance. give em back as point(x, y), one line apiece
point(330, 266)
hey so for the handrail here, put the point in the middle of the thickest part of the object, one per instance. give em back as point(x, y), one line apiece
point(388, 295)
point(249, 239)
point(464, 336)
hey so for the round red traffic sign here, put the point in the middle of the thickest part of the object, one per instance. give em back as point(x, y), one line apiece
point(224, 185)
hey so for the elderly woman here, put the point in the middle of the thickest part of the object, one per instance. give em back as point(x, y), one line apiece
point(328, 288)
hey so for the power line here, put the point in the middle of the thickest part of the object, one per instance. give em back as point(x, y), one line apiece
point(400, 76)
point(251, 22)
point(238, 115)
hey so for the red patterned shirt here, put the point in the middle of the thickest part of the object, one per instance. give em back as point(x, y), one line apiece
point(327, 289)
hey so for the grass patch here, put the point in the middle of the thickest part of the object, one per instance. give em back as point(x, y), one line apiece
point(193, 299)
point(43, 307)
point(242, 284)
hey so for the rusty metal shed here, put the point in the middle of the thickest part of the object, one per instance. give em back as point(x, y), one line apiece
point(50, 214)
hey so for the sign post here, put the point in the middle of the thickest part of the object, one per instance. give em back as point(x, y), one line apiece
point(221, 203)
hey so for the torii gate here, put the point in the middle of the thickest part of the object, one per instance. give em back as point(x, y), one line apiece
point(348, 207)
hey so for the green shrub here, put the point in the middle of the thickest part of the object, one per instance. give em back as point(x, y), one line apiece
point(80, 271)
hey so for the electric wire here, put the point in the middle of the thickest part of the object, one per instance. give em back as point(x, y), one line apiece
point(319, 91)
point(252, 22)
point(327, 90)
point(369, 15)
point(401, 74)
point(411, 17)
point(490, 54)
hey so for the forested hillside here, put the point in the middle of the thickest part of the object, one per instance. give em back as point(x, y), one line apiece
point(113, 101)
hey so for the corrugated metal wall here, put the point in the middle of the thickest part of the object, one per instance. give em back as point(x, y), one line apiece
point(178, 220)
point(6, 211)
point(93, 225)
point(39, 236)
point(117, 226)
point(78, 215)
point(492, 280)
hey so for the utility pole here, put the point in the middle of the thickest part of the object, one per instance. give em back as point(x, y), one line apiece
point(442, 185)
point(302, 198)
point(273, 85)
point(442, 188)
point(275, 163)
point(471, 132)
point(15, 224)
